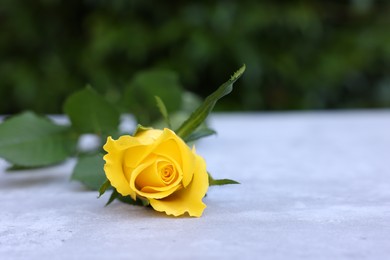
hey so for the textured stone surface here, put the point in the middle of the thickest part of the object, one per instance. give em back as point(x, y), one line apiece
point(315, 185)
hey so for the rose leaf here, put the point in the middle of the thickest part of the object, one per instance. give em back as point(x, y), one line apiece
point(200, 133)
point(201, 113)
point(29, 140)
point(113, 196)
point(129, 200)
point(91, 113)
point(89, 171)
point(163, 110)
point(126, 199)
point(214, 182)
point(139, 94)
point(106, 185)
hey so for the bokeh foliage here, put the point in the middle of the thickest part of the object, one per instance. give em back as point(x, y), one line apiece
point(299, 54)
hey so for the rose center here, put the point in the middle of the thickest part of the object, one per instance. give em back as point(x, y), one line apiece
point(167, 172)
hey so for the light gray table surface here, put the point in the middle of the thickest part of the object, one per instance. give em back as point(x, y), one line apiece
point(314, 185)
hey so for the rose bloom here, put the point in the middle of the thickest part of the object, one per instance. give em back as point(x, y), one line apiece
point(157, 165)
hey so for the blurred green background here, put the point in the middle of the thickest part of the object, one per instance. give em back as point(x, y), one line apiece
point(299, 54)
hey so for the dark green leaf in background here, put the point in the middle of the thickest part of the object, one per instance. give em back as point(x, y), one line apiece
point(163, 110)
point(201, 113)
point(306, 55)
point(139, 94)
point(30, 140)
point(89, 171)
point(91, 113)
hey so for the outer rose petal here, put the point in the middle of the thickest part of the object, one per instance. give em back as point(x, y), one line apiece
point(188, 199)
point(113, 167)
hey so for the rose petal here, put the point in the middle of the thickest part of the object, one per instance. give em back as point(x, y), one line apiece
point(149, 191)
point(188, 199)
point(149, 176)
point(166, 171)
point(147, 142)
point(135, 155)
point(113, 166)
point(176, 149)
point(149, 136)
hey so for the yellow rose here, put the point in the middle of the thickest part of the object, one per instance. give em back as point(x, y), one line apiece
point(157, 165)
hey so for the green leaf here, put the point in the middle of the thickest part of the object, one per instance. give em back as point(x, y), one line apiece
point(200, 133)
point(104, 187)
point(113, 196)
point(126, 199)
point(91, 113)
point(213, 182)
point(191, 101)
point(163, 110)
point(139, 94)
point(129, 200)
point(18, 168)
point(30, 140)
point(89, 171)
point(223, 182)
point(207, 106)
